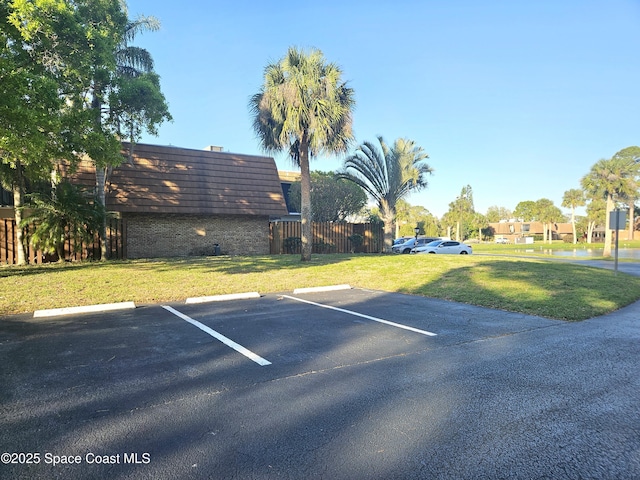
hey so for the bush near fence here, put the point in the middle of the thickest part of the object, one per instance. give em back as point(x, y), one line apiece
point(9, 252)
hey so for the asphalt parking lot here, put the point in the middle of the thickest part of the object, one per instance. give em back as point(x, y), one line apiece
point(346, 384)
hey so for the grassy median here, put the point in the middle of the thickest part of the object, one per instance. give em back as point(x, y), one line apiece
point(533, 286)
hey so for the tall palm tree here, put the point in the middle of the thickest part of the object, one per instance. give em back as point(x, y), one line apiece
point(631, 155)
point(388, 175)
point(572, 199)
point(612, 180)
point(131, 62)
point(304, 108)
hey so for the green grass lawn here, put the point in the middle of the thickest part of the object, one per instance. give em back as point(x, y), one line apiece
point(533, 286)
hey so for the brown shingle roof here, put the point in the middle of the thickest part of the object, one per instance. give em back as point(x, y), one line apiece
point(162, 179)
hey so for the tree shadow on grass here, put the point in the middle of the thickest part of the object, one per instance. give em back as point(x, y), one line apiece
point(243, 265)
point(221, 264)
point(552, 290)
point(7, 271)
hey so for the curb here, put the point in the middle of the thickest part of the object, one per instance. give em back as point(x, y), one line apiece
point(86, 309)
point(322, 289)
point(220, 298)
point(53, 312)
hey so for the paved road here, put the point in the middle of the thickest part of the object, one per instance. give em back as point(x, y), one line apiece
point(492, 395)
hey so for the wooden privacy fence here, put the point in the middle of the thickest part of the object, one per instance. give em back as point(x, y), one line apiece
point(9, 252)
point(328, 237)
point(284, 238)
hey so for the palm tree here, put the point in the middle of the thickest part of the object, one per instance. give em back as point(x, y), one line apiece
point(388, 175)
point(67, 214)
point(304, 108)
point(572, 199)
point(612, 180)
point(131, 62)
point(631, 155)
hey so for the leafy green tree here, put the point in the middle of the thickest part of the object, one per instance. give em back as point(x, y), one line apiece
point(404, 224)
point(409, 216)
point(572, 199)
point(526, 211)
point(75, 46)
point(430, 224)
point(596, 214)
point(104, 147)
point(547, 213)
point(388, 174)
point(582, 227)
point(36, 124)
point(495, 214)
point(479, 224)
point(131, 96)
point(373, 214)
point(332, 199)
point(631, 155)
point(612, 180)
point(461, 214)
point(137, 105)
point(303, 107)
point(68, 213)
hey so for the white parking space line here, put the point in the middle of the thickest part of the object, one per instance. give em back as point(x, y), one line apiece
point(85, 309)
point(328, 288)
point(221, 298)
point(230, 343)
point(368, 317)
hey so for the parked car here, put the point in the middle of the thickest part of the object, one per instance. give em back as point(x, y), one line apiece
point(410, 244)
point(445, 246)
point(400, 240)
point(502, 240)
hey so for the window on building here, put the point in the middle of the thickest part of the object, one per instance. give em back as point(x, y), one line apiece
point(6, 198)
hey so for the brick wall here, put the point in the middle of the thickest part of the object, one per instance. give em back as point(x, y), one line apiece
point(163, 235)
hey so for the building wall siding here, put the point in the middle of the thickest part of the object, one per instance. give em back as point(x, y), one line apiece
point(150, 236)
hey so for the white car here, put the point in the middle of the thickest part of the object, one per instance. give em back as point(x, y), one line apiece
point(445, 246)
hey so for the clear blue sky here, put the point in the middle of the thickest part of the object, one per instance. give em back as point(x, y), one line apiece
point(516, 98)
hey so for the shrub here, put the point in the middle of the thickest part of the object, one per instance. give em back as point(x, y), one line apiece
point(323, 247)
point(292, 244)
point(356, 241)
